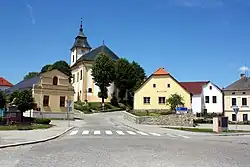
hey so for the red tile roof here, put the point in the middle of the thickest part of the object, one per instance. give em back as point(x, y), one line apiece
point(4, 82)
point(194, 87)
point(161, 71)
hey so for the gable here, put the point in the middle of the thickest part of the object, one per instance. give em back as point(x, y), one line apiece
point(214, 87)
point(161, 82)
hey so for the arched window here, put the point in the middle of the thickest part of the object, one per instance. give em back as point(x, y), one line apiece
point(55, 81)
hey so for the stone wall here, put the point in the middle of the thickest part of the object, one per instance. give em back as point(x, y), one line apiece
point(58, 115)
point(170, 120)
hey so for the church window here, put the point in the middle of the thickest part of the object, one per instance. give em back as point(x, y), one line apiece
point(73, 58)
point(90, 90)
point(73, 78)
point(55, 81)
point(77, 76)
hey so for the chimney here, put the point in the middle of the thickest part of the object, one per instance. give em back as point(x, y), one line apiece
point(242, 76)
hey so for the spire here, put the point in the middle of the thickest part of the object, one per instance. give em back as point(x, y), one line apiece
point(103, 43)
point(81, 29)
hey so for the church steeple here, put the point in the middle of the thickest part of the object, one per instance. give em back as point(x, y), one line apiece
point(81, 40)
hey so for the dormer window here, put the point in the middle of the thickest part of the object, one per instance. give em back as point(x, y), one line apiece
point(55, 81)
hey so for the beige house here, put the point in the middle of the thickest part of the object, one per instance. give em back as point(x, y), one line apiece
point(82, 58)
point(156, 89)
point(51, 91)
point(237, 95)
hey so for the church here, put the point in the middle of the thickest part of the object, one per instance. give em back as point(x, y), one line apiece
point(82, 57)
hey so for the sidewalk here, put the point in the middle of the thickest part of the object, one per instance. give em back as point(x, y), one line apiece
point(15, 137)
point(163, 130)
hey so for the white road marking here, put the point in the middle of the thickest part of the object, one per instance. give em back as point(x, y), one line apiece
point(131, 133)
point(108, 132)
point(120, 132)
point(155, 134)
point(170, 135)
point(186, 137)
point(73, 132)
point(142, 133)
point(97, 132)
point(85, 132)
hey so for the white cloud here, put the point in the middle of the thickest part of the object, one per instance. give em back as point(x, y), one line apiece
point(30, 8)
point(197, 3)
point(244, 69)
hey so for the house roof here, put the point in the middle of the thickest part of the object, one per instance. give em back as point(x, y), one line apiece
point(241, 84)
point(91, 55)
point(194, 87)
point(4, 82)
point(24, 84)
point(161, 71)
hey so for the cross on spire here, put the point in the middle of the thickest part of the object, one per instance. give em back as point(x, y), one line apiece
point(81, 29)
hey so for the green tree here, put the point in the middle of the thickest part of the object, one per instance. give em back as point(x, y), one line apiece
point(137, 76)
point(12, 96)
point(62, 66)
point(103, 74)
point(30, 75)
point(174, 100)
point(24, 100)
point(46, 68)
point(2, 100)
point(122, 76)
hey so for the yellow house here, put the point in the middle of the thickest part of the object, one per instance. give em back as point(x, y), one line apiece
point(237, 95)
point(51, 91)
point(156, 89)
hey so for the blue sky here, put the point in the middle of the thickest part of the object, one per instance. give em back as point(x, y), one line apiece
point(193, 39)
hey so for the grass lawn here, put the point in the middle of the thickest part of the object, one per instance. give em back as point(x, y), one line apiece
point(25, 127)
point(205, 130)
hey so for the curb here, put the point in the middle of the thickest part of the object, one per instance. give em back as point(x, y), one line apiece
point(37, 141)
point(236, 134)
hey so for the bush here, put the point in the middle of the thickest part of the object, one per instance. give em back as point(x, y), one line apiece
point(42, 121)
point(203, 121)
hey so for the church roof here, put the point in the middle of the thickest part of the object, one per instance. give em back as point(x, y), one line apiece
point(81, 39)
point(91, 55)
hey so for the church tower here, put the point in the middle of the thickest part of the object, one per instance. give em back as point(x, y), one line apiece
point(80, 46)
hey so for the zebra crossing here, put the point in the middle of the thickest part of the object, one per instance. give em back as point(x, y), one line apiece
point(121, 133)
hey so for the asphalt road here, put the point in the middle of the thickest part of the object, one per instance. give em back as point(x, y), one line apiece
point(84, 149)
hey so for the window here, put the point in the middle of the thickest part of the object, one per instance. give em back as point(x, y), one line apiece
point(74, 77)
point(245, 117)
point(233, 101)
point(168, 85)
point(45, 100)
point(62, 101)
point(55, 81)
point(244, 101)
point(233, 93)
point(162, 100)
point(206, 99)
point(81, 75)
point(214, 99)
point(210, 87)
point(154, 85)
point(233, 117)
point(73, 58)
point(90, 90)
point(146, 100)
point(77, 76)
point(243, 93)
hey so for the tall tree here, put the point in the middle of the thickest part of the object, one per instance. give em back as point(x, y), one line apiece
point(103, 74)
point(24, 101)
point(122, 76)
point(2, 100)
point(46, 68)
point(174, 100)
point(30, 75)
point(64, 67)
point(138, 76)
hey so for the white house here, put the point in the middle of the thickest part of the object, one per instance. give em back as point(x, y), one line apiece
point(206, 97)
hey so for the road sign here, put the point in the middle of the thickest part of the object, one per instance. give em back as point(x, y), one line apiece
point(181, 109)
point(69, 105)
point(236, 110)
